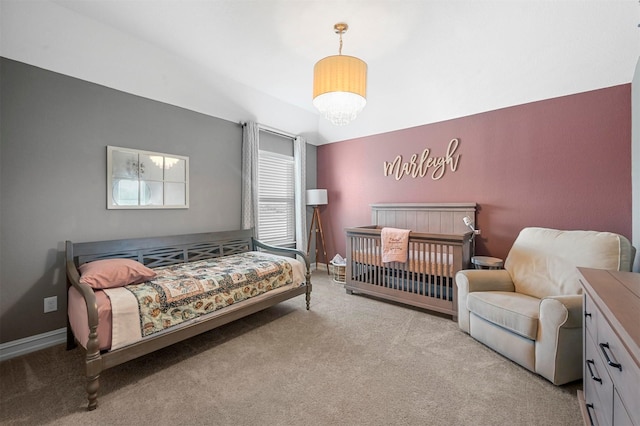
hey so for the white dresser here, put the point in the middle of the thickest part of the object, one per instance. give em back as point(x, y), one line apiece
point(611, 352)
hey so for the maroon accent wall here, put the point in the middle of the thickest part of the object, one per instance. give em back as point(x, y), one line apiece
point(561, 163)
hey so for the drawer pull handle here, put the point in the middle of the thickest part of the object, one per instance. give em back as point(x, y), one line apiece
point(587, 314)
point(589, 408)
point(606, 356)
point(593, 376)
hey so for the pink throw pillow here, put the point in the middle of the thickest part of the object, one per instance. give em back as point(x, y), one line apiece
point(110, 273)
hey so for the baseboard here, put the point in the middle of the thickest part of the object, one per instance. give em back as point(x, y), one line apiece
point(319, 266)
point(32, 343)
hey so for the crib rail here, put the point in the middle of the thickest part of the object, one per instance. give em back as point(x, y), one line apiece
point(426, 280)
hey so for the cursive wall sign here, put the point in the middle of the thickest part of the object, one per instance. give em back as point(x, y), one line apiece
point(419, 166)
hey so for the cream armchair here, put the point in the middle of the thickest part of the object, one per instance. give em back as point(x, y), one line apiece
point(531, 311)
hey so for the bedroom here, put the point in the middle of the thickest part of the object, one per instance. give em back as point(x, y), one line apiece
point(56, 123)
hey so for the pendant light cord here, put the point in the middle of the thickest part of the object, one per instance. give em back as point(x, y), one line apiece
point(340, 29)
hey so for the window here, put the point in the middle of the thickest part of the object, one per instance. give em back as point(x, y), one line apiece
point(276, 206)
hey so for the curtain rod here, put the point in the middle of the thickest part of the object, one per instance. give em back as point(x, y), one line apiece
point(272, 131)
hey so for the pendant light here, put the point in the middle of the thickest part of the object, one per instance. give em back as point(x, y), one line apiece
point(340, 85)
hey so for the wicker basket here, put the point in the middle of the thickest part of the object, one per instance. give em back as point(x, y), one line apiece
point(339, 272)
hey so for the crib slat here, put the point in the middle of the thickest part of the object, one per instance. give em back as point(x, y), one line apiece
point(433, 280)
point(371, 250)
point(405, 274)
point(407, 267)
point(423, 269)
point(438, 271)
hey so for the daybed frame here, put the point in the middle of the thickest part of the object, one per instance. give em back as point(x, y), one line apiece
point(437, 232)
point(162, 251)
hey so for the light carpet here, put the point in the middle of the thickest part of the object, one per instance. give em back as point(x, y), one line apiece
point(350, 360)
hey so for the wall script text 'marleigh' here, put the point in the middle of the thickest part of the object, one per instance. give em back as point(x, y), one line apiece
point(418, 166)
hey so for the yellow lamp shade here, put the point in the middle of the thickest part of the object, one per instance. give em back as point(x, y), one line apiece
point(340, 73)
point(340, 88)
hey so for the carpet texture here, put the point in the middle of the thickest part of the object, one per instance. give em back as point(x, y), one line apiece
point(350, 360)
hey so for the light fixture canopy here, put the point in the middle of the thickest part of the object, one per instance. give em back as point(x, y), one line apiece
point(340, 85)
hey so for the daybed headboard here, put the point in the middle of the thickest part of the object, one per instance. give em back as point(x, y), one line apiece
point(163, 251)
point(436, 218)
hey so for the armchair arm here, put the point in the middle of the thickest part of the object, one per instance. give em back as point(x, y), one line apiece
point(562, 311)
point(559, 340)
point(471, 280)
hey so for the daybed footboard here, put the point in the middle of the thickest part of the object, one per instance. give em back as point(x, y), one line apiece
point(164, 251)
point(293, 252)
point(426, 280)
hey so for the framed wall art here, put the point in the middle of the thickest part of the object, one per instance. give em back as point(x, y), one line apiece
point(146, 180)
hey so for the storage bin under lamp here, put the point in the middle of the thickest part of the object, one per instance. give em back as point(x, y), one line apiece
point(339, 272)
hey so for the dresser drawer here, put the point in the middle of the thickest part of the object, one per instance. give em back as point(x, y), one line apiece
point(590, 313)
point(595, 416)
point(622, 369)
point(620, 412)
point(598, 387)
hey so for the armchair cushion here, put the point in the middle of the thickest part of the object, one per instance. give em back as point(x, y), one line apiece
point(542, 262)
point(514, 311)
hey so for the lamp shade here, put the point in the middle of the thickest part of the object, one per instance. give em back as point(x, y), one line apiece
point(317, 197)
point(340, 88)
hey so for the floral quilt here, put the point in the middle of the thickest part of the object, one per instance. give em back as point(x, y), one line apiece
point(188, 290)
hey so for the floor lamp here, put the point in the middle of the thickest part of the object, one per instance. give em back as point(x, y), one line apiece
point(316, 198)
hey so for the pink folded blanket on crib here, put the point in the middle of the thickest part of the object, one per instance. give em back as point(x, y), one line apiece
point(395, 244)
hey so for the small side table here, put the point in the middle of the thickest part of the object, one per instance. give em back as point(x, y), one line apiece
point(487, 262)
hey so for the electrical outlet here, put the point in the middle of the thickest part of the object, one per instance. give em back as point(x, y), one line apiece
point(50, 304)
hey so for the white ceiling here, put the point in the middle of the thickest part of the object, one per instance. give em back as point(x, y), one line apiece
point(238, 59)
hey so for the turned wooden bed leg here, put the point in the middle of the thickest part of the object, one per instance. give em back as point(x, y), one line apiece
point(308, 285)
point(92, 392)
point(93, 368)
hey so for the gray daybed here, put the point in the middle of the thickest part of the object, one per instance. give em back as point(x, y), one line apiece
point(226, 303)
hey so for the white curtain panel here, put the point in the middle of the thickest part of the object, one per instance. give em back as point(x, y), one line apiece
point(250, 145)
point(300, 187)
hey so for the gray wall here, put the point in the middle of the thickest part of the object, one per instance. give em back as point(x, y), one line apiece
point(54, 132)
